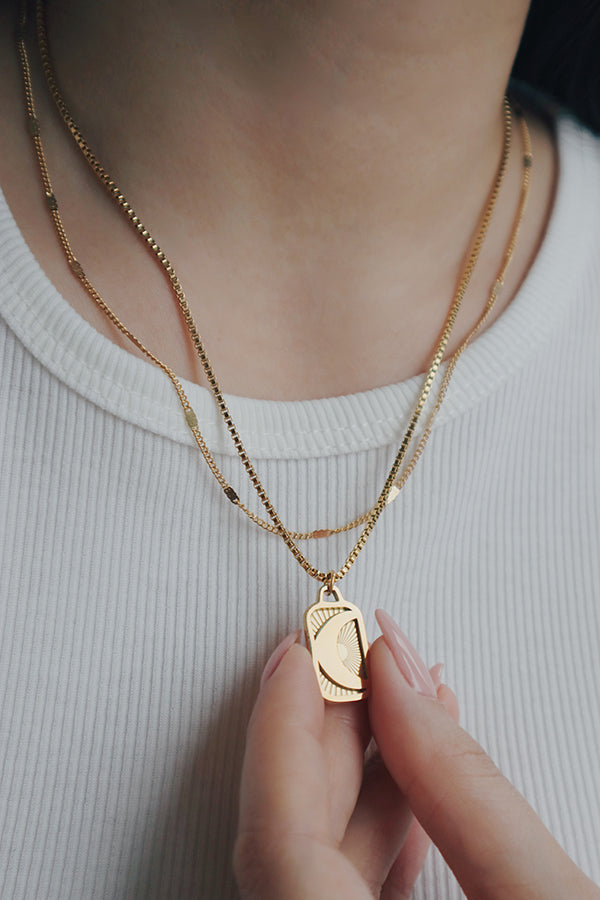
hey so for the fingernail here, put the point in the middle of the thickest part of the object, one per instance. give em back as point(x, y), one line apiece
point(407, 659)
point(436, 674)
point(277, 655)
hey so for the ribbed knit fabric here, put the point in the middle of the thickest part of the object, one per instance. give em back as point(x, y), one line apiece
point(138, 606)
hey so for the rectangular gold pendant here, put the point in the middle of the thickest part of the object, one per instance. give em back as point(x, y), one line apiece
point(337, 640)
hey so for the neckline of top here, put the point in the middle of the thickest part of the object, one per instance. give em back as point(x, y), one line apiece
point(138, 392)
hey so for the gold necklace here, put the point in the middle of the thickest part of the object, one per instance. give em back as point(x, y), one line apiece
point(334, 628)
point(275, 526)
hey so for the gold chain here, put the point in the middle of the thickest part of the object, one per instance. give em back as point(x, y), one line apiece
point(391, 486)
point(275, 526)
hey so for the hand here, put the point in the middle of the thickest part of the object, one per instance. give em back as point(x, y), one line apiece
point(315, 821)
point(315, 824)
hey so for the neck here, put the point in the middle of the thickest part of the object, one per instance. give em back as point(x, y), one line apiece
point(322, 108)
point(305, 160)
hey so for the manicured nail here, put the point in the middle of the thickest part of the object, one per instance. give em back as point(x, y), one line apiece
point(407, 659)
point(436, 674)
point(277, 655)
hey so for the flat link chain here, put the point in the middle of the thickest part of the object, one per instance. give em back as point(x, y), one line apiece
point(275, 526)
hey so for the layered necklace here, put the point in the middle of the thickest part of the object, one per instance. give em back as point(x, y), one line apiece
point(334, 627)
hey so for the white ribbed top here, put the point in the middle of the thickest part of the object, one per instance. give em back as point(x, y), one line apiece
point(137, 606)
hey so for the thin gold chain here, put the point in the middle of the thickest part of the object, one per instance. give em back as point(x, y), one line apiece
point(275, 526)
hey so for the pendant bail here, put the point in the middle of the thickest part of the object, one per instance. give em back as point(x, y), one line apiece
point(330, 582)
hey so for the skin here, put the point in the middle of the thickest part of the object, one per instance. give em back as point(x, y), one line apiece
point(316, 173)
point(312, 814)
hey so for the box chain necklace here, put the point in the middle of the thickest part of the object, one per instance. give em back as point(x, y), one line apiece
point(334, 628)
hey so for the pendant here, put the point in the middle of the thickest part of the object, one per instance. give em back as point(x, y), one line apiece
point(337, 640)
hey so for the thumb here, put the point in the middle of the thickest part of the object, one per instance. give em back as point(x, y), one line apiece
point(490, 837)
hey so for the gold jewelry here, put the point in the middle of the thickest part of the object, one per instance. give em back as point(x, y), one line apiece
point(338, 650)
point(275, 526)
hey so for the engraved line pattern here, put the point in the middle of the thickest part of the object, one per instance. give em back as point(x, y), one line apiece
point(350, 649)
point(321, 615)
point(332, 689)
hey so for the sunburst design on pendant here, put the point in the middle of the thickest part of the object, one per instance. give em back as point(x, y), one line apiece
point(321, 616)
point(333, 691)
point(350, 649)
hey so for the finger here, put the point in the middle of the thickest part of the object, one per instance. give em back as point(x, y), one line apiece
point(284, 841)
point(346, 733)
point(436, 674)
point(446, 696)
point(382, 820)
point(407, 867)
point(488, 834)
point(378, 826)
point(304, 758)
point(283, 775)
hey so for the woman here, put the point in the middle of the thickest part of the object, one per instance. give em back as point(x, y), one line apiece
point(317, 175)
